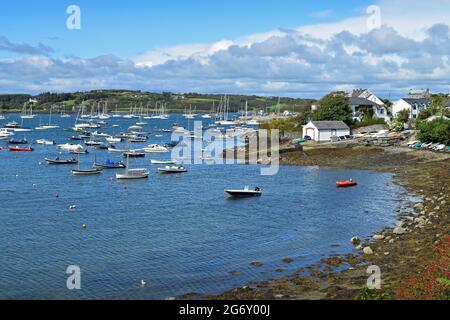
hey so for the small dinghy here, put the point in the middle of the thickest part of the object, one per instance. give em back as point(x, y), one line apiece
point(19, 149)
point(246, 193)
point(79, 152)
point(172, 169)
point(87, 172)
point(92, 143)
point(61, 161)
point(346, 183)
point(162, 162)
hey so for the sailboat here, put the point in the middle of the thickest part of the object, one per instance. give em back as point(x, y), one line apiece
point(85, 172)
point(27, 114)
point(222, 112)
point(64, 114)
point(132, 173)
point(49, 126)
point(207, 115)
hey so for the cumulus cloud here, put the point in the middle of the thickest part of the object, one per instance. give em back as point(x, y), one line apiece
point(23, 48)
point(308, 61)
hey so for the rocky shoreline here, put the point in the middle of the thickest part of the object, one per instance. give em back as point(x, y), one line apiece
point(401, 253)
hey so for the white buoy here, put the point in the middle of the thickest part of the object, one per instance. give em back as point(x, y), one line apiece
point(72, 207)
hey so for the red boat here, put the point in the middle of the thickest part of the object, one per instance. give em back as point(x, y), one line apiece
point(346, 183)
point(16, 148)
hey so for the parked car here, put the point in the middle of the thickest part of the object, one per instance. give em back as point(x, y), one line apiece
point(307, 138)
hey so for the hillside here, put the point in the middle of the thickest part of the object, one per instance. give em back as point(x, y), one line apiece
point(123, 100)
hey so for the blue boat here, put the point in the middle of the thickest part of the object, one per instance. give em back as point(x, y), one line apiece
point(108, 164)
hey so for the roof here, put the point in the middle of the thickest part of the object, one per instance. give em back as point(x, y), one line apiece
point(357, 92)
point(323, 125)
point(421, 101)
point(361, 102)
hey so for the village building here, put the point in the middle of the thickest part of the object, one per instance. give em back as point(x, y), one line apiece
point(322, 131)
point(364, 102)
point(413, 105)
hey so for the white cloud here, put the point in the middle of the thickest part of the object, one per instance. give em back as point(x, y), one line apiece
point(410, 49)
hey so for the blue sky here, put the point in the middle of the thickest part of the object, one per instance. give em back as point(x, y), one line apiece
point(267, 47)
point(128, 28)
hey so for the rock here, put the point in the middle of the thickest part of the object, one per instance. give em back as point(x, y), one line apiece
point(399, 231)
point(288, 260)
point(170, 298)
point(358, 247)
point(437, 208)
point(378, 237)
point(387, 253)
point(256, 264)
point(443, 202)
point(391, 241)
point(355, 240)
point(420, 221)
point(368, 250)
point(418, 206)
point(278, 296)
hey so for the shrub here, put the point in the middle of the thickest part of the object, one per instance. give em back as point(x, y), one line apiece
point(437, 131)
point(433, 283)
point(369, 122)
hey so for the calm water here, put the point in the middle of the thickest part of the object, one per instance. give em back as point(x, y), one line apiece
point(180, 233)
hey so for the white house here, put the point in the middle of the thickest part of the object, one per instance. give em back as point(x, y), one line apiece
point(413, 105)
point(321, 131)
point(363, 99)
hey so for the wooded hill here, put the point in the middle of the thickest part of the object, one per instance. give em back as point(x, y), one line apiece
point(123, 100)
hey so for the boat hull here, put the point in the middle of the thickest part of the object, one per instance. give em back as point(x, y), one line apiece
point(243, 194)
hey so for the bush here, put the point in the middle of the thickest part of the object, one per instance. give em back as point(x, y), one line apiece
point(369, 122)
point(290, 124)
point(433, 282)
point(437, 131)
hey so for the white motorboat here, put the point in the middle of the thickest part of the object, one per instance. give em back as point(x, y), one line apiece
point(245, 193)
point(155, 148)
point(134, 128)
point(118, 150)
point(46, 127)
point(45, 142)
point(172, 169)
point(113, 140)
point(5, 133)
point(70, 147)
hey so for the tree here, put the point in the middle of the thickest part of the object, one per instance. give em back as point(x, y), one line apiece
point(401, 119)
point(437, 106)
point(334, 106)
point(437, 131)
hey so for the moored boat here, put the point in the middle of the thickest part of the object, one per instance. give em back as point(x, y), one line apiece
point(108, 164)
point(19, 149)
point(245, 193)
point(61, 161)
point(172, 169)
point(162, 162)
point(346, 183)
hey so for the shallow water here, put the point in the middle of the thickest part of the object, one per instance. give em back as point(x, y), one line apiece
point(180, 232)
